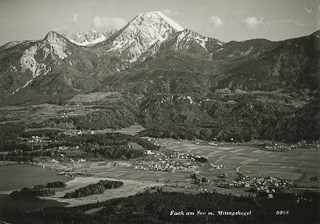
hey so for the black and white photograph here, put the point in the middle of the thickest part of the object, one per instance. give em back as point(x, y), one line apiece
point(159, 111)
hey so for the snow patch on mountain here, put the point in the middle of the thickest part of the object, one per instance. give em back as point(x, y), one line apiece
point(22, 87)
point(187, 36)
point(171, 22)
point(86, 42)
point(141, 33)
point(247, 52)
point(89, 38)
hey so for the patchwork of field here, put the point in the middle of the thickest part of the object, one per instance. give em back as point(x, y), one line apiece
point(132, 130)
point(40, 112)
point(80, 104)
point(123, 173)
point(296, 164)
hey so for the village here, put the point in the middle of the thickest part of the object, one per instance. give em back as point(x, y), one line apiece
point(260, 185)
point(187, 165)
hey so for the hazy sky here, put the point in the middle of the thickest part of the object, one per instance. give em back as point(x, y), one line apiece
point(222, 19)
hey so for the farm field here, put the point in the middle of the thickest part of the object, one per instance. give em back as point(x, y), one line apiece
point(40, 112)
point(296, 164)
point(80, 104)
point(226, 163)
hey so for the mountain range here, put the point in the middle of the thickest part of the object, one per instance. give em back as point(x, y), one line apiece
point(157, 63)
point(152, 52)
point(88, 38)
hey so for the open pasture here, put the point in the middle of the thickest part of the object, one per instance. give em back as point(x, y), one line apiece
point(123, 173)
point(132, 130)
point(295, 164)
point(95, 97)
point(41, 112)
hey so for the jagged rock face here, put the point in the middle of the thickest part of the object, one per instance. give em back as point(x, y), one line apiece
point(146, 30)
point(28, 60)
point(37, 59)
point(190, 42)
point(153, 54)
point(89, 38)
point(24, 62)
point(186, 38)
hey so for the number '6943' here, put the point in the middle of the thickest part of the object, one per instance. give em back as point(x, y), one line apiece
point(282, 212)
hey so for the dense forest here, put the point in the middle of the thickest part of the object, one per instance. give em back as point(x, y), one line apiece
point(238, 116)
point(110, 145)
point(113, 145)
point(108, 114)
point(164, 207)
point(92, 189)
point(38, 190)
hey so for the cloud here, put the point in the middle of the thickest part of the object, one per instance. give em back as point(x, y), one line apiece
point(75, 18)
point(308, 10)
point(170, 13)
point(215, 21)
point(253, 22)
point(108, 23)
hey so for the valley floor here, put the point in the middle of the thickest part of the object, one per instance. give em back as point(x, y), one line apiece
point(256, 167)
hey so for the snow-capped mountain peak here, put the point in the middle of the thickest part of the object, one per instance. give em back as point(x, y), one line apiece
point(145, 30)
point(88, 38)
point(171, 22)
point(187, 36)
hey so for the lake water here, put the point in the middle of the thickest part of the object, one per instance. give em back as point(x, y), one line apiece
point(17, 176)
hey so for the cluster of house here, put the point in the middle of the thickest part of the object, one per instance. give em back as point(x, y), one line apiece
point(38, 139)
point(167, 162)
point(260, 184)
point(67, 111)
point(165, 165)
point(171, 154)
point(279, 147)
point(78, 132)
point(191, 187)
point(73, 174)
point(218, 167)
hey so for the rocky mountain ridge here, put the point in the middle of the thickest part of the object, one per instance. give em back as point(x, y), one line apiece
point(153, 53)
point(88, 38)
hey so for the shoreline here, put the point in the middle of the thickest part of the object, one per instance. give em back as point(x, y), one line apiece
point(3, 163)
point(129, 188)
point(40, 165)
point(90, 172)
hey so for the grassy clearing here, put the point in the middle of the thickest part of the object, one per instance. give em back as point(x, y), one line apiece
point(94, 97)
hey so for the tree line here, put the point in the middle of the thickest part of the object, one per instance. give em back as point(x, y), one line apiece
point(92, 189)
point(157, 208)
